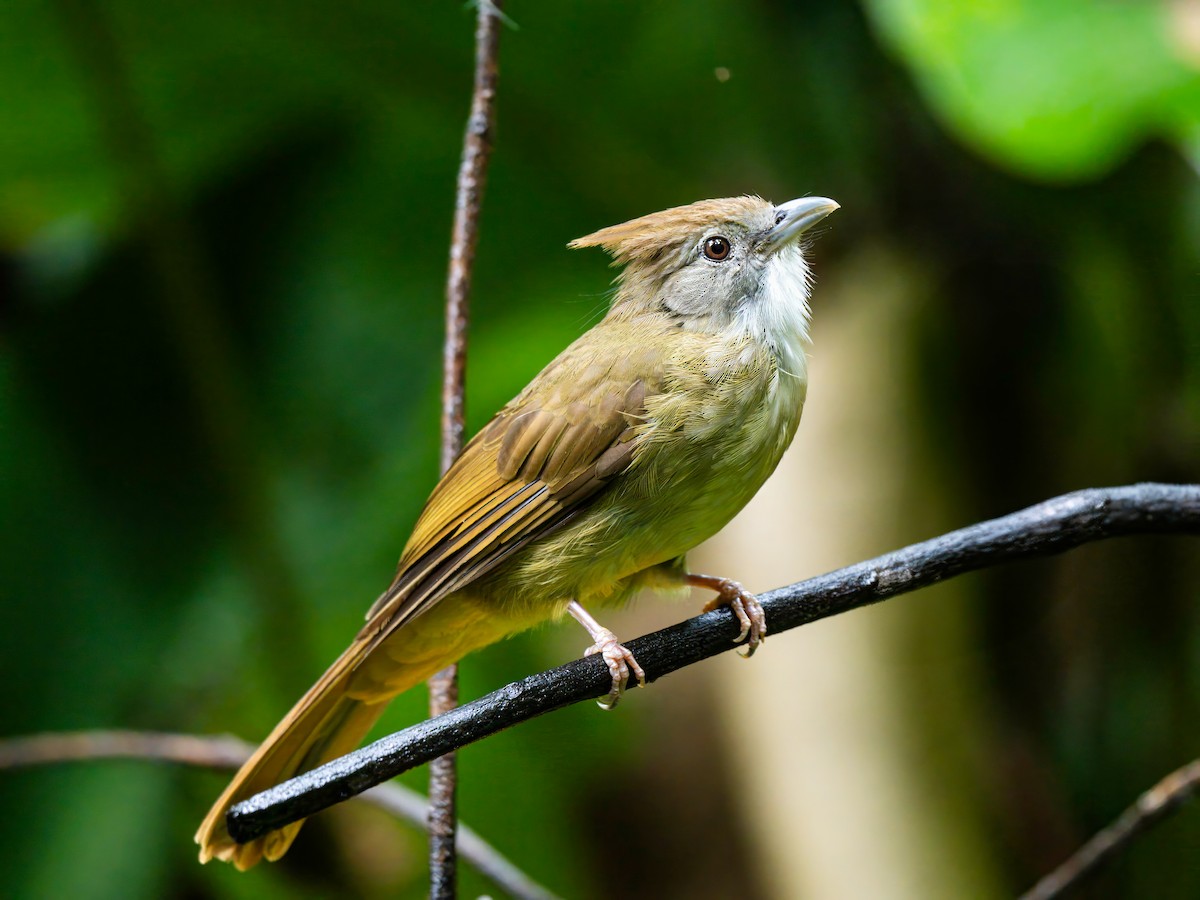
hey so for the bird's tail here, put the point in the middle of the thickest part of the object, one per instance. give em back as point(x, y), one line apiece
point(326, 723)
point(337, 712)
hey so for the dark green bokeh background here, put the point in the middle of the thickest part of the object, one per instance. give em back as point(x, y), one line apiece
point(223, 239)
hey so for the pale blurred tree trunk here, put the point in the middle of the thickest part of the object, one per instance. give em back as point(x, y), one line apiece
point(849, 738)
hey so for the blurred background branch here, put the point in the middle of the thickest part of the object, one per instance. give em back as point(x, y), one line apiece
point(228, 754)
point(1161, 801)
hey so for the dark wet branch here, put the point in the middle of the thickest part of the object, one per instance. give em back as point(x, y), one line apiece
point(1050, 527)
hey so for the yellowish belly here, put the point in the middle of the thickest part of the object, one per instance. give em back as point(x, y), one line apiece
point(706, 451)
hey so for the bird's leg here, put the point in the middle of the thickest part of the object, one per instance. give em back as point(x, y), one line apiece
point(620, 661)
point(744, 605)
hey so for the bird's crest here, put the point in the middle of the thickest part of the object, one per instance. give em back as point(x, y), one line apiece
point(646, 238)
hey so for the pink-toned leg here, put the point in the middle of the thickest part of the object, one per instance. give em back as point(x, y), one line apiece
point(620, 661)
point(744, 605)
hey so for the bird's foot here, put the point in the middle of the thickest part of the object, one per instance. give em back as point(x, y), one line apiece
point(745, 606)
point(620, 663)
point(617, 657)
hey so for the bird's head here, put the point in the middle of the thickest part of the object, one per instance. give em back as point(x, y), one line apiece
point(717, 264)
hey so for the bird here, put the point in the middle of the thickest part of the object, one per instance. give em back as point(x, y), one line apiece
point(637, 442)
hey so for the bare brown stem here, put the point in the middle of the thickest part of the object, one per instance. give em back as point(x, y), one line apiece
point(443, 801)
point(472, 176)
point(1152, 807)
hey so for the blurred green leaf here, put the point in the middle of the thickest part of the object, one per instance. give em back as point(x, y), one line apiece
point(1059, 90)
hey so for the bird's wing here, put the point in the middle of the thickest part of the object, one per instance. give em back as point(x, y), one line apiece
point(527, 473)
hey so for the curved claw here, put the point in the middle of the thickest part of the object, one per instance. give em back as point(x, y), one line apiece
point(745, 606)
point(616, 656)
point(620, 662)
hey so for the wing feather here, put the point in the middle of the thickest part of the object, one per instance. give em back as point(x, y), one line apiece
point(527, 473)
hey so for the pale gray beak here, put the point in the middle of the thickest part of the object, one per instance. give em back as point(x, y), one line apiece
point(794, 218)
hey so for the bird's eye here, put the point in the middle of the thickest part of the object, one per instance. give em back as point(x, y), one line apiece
point(716, 248)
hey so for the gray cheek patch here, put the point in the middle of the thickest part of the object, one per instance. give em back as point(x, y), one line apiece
point(693, 291)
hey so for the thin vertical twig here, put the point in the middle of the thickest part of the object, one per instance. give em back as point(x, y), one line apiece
point(472, 176)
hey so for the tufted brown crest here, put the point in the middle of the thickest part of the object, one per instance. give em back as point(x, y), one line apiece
point(646, 238)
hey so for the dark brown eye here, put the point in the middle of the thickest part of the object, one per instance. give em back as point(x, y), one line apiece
point(716, 248)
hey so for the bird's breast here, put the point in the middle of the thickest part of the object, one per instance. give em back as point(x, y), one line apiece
point(710, 440)
point(710, 436)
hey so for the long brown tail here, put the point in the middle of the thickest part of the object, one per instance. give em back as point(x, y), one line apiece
point(337, 712)
point(324, 724)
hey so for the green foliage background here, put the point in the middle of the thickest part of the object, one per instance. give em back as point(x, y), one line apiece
point(223, 238)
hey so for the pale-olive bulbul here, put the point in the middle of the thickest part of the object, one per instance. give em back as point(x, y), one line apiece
point(642, 439)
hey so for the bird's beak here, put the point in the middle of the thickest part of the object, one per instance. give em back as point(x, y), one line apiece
point(794, 218)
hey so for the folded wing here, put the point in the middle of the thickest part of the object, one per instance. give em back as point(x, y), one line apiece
point(529, 472)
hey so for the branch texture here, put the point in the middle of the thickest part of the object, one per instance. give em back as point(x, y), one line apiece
point(1050, 527)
